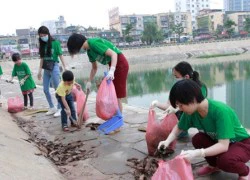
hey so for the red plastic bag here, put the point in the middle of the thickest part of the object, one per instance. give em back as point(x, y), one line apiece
point(175, 169)
point(159, 131)
point(15, 104)
point(106, 100)
point(79, 96)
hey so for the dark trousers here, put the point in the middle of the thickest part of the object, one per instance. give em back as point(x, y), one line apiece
point(233, 161)
point(70, 101)
point(25, 97)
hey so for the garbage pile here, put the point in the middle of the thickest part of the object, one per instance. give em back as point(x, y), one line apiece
point(62, 154)
point(144, 169)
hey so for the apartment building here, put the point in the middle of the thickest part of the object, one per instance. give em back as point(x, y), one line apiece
point(164, 22)
point(193, 7)
point(237, 5)
point(208, 20)
point(238, 18)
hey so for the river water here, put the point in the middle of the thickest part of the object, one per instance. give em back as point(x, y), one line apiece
point(226, 82)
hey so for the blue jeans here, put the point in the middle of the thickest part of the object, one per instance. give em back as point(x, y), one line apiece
point(48, 78)
point(70, 102)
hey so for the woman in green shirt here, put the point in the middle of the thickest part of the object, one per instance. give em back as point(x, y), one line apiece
point(222, 140)
point(49, 50)
point(183, 70)
point(106, 53)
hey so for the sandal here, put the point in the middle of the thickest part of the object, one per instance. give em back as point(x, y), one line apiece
point(65, 128)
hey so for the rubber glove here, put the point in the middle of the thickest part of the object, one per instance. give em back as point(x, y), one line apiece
point(169, 110)
point(88, 85)
point(21, 82)
point(111, 73)
point(191, 154)
point(154, 103)
point(165, 144)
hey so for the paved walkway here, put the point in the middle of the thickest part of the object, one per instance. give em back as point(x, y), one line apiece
point(105, 156)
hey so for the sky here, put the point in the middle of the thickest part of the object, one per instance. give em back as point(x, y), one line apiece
point(22, 14)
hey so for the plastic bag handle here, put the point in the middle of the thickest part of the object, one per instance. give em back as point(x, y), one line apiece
point(108, 80)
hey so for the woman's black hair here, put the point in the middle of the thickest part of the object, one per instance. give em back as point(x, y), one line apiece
point(75, 43)
point(68, 76)
point(15, 57)
point(184, 68)
point(186, 92)
point(42, 44)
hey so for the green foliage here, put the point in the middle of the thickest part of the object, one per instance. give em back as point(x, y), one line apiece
point(126, 33)
point(151, 33)
point(247, 25)
point(228, 26)
point(178, 29)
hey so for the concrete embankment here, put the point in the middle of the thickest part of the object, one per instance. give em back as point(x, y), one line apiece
point(150, 58)
point(19, 158)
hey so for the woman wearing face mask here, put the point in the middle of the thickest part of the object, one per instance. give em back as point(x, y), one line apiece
point(49, 50)
point(183, 70)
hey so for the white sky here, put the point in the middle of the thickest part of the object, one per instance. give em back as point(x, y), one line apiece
point(21, 14)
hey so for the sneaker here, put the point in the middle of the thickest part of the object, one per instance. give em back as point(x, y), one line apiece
point(206, 170)
point(58, 113)
point(51, 111)
point(31, 108)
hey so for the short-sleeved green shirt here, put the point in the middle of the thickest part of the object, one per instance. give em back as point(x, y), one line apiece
point(97, 49)
point(221, 122)
point(204, 90)
point(21, 71)
point(1, 71)
point(56, 51)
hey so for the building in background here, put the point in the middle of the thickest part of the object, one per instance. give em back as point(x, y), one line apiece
point(193, 7)
point(209, 20)
point(238, 18)
point(237, 5)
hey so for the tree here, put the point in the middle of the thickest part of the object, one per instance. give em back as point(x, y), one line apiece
point(178, 29)
point(228, 27)
point(126, 32)
point(247, 25)
point(151, 33)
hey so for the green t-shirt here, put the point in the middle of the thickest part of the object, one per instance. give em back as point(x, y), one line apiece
point(221, 122)
point(1, 71)
point(97, 49)
point(21, 71)
point(56, 51)
point(204, 90)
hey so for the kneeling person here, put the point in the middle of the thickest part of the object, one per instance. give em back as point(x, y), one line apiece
point(65, 98)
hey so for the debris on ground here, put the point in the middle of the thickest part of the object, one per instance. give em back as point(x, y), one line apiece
point(62, 154)
point(144, 169)
point(93, 126)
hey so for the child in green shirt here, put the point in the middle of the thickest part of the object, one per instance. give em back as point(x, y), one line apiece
point(23, 73)
point(1, 72)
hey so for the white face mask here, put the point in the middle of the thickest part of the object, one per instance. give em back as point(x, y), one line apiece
point(45, 38)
